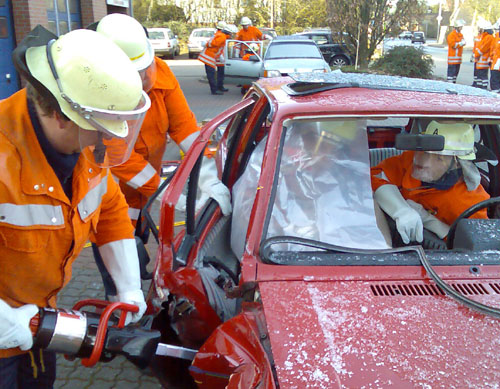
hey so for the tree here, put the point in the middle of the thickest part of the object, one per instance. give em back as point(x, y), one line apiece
point(300, 14)
point(371, 21)
point(253, 9)
point(154, 12)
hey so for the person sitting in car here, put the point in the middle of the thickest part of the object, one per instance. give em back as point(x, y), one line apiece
point(430, 189)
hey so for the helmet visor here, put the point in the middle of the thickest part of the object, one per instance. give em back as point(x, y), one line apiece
point(114, 140)
point(148, 76)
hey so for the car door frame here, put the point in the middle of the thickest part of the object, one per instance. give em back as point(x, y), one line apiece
point(236, 70)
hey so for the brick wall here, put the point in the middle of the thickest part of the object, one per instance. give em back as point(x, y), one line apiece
point(92, 11)
point(27, 14)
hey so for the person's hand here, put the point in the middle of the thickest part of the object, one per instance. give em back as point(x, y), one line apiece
point(122, 262)
point(409, 225)
point(429, 221)
point(134, 297)
point(408, 221)
point(14, 326)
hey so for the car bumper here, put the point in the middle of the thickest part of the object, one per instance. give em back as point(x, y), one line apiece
point(161, 51)
point(194, 49)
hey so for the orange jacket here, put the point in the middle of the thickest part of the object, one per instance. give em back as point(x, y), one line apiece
point(477, 39)
point(41, 232)
point(169, 113)
point(446, 205)
point(251, 34)
point(454, 48)
point(213, 50)
point(484, 51)
point(495, 53)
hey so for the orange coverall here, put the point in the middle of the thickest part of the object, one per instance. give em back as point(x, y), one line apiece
point(446, 205)
point(41, 230)
point(169, 113)
point(484, 50)
point(251, 34)
point(213, 49)
point(454, 49)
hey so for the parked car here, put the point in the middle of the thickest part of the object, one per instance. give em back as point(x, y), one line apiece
point(418, 37)
point(336, 54)
point(279, 57)
point(269, 32)
point(197, 40)
point(301, 286)
point(164, 42)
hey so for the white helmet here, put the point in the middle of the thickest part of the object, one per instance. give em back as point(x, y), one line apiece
point(245, 21)
point(220, 25)
point(95, 85)
point(458, 138)
point(459, 23)
point(131, 37)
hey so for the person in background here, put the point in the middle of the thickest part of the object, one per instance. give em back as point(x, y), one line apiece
point(484, 50)
point(495, 63)
point(424, 189)
point(170, 115)
point(58, 137)
point(211, 57)
point(475, 58)
point(456, 43)
point(248, 32)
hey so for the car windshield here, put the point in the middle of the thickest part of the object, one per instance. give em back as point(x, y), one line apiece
point(280, 50)
point(202, 34)
point(156, 35)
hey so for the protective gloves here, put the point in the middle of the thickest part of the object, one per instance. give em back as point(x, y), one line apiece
point(408, 221)
point(14, 326)
point(430, 222)
point(122, 262)
point(208, 182)
point(462, 42)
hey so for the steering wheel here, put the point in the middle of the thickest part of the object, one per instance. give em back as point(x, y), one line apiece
point(468, 213)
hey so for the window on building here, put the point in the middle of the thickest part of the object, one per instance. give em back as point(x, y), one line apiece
point(63, 15)
point(4, 31)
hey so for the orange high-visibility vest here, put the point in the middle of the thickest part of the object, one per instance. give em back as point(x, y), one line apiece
point(454, 48)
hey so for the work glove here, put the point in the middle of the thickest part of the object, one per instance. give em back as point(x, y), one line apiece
point(14, 326)
point(408, 221)
point(462, 42)
point(122, 262)
point(429, 221)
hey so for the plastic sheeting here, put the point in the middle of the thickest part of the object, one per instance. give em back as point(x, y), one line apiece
point(323, 189)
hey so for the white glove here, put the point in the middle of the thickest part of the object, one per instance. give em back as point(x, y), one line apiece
point(122, 262)
point(209, 182)
point(14, 326)
point(408, 221)
point(462, 42)
point(430, 222)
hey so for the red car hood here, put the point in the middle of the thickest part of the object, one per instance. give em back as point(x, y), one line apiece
point(342, 334)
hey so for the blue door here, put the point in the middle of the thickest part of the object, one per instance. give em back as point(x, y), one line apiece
point(9, 82)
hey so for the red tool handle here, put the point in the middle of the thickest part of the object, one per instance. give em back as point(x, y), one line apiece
point(102, 328)
point(34, 323)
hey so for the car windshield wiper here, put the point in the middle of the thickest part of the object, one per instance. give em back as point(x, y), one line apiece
point(266, 254)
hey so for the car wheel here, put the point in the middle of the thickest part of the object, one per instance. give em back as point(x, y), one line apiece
point(338, 61)
point(191, 55)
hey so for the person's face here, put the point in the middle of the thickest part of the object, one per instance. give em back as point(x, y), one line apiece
point(245, 27)
point(430, 167)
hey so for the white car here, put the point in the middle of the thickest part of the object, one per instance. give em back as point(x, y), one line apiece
point(248, 61)
point(164, 42)
point(198, 39)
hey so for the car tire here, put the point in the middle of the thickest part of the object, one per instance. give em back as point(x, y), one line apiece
point(191, 55)
point(338, 61)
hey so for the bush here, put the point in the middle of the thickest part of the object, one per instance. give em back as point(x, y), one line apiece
point(406, 61)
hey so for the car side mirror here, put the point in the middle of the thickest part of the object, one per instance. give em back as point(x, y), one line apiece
point(254, 58)
point(419, 142)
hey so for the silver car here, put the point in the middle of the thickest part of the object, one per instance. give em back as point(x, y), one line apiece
point(249, 61)
point(164, 42)
point(198, 39)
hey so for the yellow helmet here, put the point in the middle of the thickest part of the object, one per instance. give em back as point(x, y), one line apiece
point(458, 138)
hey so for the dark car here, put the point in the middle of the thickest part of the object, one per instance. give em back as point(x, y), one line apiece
point(336, 54)
point(417, 37)
point(303, 285)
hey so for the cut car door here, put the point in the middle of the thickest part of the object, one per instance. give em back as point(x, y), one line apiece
point(238, 69)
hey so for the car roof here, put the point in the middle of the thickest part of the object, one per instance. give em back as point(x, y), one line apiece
point(357, 94)
point(291, 38)
point(158, 28)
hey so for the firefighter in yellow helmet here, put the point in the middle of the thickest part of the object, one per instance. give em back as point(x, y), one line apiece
point(80, 113)
point(420, 189)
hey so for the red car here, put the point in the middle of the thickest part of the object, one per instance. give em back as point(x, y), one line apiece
point(300, 287)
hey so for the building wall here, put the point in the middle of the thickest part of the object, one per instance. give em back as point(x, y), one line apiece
point(92, 10)
point(27, 14)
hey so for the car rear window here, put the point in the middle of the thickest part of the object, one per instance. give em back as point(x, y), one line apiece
point(293, 50)
point(202, 34)
point(156, 35)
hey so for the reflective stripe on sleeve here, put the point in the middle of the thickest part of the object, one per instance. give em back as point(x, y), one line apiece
point(142, 177)
point(28, 215)
point(133, 213)
point(382, 176)
point(92, 199)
